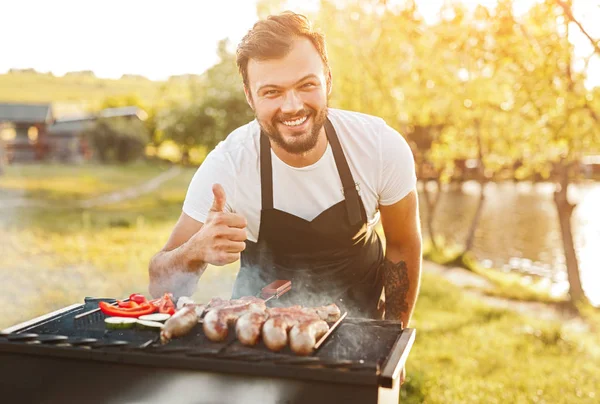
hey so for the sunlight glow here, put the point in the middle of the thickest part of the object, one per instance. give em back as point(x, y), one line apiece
point(158, 39)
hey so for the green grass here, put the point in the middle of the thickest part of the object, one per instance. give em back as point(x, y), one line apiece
point(468, 352)
point(54, 182)
point(465, 352)
point(508, 285)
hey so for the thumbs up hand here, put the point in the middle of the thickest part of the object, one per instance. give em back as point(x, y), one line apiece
point(221, 238)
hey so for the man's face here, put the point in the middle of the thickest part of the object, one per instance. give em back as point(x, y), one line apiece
point(289, 97)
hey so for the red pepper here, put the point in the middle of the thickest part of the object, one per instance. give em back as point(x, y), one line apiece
point(166, 305)
point(142, 309)
point(138, 298)
point(128, 305)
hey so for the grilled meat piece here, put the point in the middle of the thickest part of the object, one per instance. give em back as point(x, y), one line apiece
point(304, 336)
point(330, 313)
point(217, 321)
point(248, 327)
point(217, 302)
point(275, 329)
point(179, 324)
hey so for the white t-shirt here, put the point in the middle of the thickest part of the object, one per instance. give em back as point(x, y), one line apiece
point(379, 158)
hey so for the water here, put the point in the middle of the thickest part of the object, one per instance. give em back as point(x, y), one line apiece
point(519, 230)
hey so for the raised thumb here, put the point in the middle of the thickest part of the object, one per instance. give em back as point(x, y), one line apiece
point(219, 198)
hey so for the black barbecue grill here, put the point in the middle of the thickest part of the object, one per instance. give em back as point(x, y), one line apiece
point(58, 358)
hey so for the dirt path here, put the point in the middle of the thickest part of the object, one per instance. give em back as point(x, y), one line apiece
point(132, 192)
point(112, 197)
point(475, 285)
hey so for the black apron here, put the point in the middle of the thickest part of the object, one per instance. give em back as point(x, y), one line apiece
point(334, 258)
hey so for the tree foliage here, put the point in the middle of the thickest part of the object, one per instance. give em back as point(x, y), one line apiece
point(217, 108)
point(120, 140)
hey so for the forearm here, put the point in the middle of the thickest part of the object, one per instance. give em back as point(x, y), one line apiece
point(402, 278)
point(173, 272)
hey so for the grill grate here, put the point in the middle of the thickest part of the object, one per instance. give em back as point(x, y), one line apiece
point(357, 345)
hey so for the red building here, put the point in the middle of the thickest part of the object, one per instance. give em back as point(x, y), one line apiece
point(24, 130)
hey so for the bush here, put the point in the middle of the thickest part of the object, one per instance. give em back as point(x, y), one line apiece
point(120, 140)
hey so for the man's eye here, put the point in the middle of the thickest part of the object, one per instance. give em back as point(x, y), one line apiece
point(271, 92)
point(308, 85)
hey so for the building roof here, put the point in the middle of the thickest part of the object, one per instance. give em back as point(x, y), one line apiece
point(122, 112)
point(70, 126)
point(25, 113)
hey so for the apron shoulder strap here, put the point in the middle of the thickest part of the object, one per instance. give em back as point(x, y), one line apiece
point(350, 191)
point(266, 172)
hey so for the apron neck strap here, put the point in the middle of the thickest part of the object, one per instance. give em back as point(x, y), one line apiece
point(350, 192)
point(266, 172)
point(350, 188)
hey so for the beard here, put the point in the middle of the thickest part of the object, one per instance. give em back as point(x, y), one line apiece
point(298, 143)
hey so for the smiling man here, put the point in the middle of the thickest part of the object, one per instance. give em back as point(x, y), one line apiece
point(297, 193)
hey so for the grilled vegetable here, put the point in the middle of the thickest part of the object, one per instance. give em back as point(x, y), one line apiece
point(160, 317)
point(142, 309)
point(127, 305)
point(149, 325)
point(119, 323)
point(138, 298)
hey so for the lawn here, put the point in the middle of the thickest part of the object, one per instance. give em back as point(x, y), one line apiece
point(464, 351)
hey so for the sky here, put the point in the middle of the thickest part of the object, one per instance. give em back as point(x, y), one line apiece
point(158, 39)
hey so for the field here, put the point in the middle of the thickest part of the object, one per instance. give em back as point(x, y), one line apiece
point(71, 94)
point(55, 254)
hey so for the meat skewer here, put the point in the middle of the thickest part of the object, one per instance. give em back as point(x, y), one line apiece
point(277, 323)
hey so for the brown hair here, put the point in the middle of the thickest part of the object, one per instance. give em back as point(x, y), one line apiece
point(273, 38)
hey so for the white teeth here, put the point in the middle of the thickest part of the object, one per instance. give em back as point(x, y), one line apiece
point(296, 122)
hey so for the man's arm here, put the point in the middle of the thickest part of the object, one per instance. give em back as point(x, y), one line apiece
point(192, 245)
point(172, 269)
point(402, 266)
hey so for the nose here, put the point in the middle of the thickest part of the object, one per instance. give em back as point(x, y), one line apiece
point(292, 103)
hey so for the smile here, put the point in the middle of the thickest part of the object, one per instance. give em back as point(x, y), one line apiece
point(296, 122)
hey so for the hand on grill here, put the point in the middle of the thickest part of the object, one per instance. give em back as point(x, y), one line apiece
point(221, 239)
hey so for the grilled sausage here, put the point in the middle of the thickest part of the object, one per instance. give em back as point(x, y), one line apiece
point(179, 324)
point(304, 336)
point(248, 327)
point(217, 321)
point(275, 330)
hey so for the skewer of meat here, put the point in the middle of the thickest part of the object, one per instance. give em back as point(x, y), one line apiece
point(179, 324)
point(278, 322)
point(304, 336)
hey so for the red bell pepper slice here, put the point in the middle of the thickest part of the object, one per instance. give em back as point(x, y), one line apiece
point(166, 305)
point(140, 310)
point(138, 298)
point(127, 305)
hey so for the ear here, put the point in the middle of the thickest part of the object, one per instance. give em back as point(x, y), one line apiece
point(248, 97)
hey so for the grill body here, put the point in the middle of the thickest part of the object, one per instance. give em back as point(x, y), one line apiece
point(360, 362)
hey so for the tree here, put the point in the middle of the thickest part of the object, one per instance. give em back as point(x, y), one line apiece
point(553, 106)
point(218, 107)
point(121, 140)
